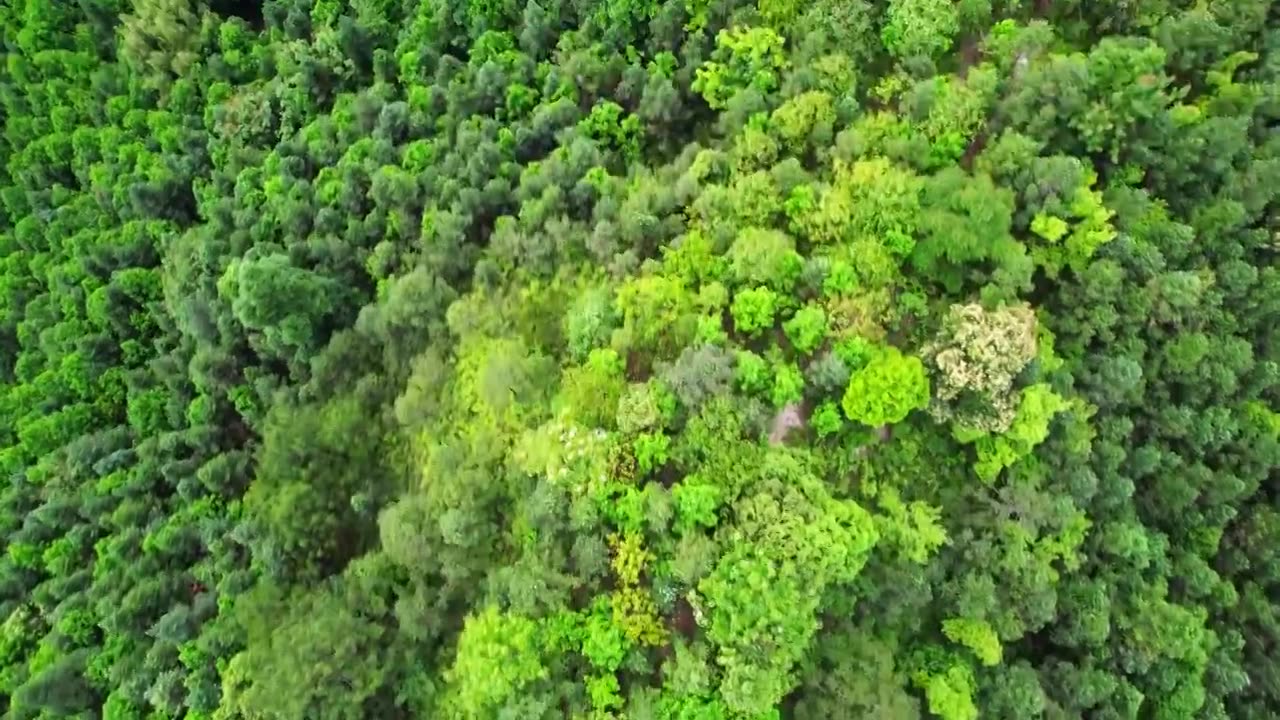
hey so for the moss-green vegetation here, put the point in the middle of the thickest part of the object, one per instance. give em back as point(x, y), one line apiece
point(639, 359)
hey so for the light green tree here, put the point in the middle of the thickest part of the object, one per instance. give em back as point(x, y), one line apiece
point(744, 57)
point(920, 28)
point(807, 328)
point(498, 656)
point(1038, 406)
point(977, 635)
point(753, 310)
point(887, 389)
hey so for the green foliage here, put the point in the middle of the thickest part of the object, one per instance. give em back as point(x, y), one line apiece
point(160, 38)
point(1071, 242)
point(604, 693)
point(536, 360)
point(696, 503)
point(1030, 426)
point(914, 529)
point(790, 543)
point(498, 657)
point(827, 420)
point(651, 451)
point(975, 635)
point(603, 643)
point(589, 322)
point(634, 611)
point(613, 127)
point(745, 57)
point(639, 409)
point(966, 228)
point(950, 694)
point(841, 279)
point(288, 305)
point(753, 310)
point(920, 28)
point(806, 329)
point(764, 258)
point(804, 121)
point(752, 372)
point(657, 314)
point(886, 390)
point(788, 385)
point(957, 110)
point(872, 200)
point(591, 392)
point(290, 672)
point(313, 464)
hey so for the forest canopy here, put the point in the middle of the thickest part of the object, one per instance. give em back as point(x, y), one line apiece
point(639, 359)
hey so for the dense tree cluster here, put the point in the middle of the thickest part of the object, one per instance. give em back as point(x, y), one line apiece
point(643, 359)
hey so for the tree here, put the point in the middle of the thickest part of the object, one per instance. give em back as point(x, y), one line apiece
point(764, 258)
point(590, 321)
point(976, 356)
point(761, 597)
point(920, 28)
point(312, 655)
point(805, 121)
point(657, 314)
point(975, 635)
point(590, 393)
point(160, 38)
point(700, 373)
point(302, 505)
point(753, 310)
point(966, 241)
point(1036, 407)
point(745, 57)
point(887, 389)
point(290, 306)
point(806, 329)
point(498, 658)
point(868, 199)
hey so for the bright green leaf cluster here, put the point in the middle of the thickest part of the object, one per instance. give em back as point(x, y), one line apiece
point(976, 635)
point(886, 390)
point(744, 57)
point(807, 328)
point(753, 310)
